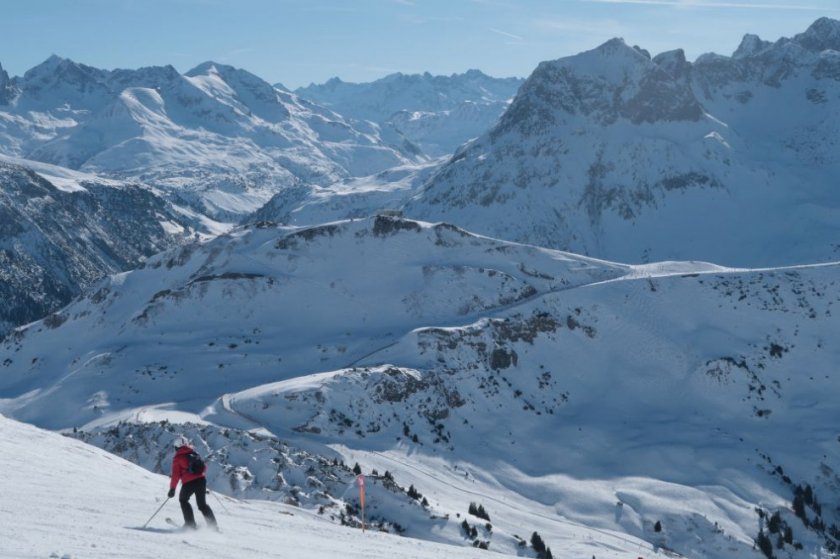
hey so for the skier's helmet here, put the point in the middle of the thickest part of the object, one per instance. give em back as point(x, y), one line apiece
point(180, 441)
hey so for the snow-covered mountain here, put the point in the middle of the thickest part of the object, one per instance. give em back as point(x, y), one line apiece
point(617, 155)
point(216, 137)
point(437, 113)
point(603, 404)
point(61, 231)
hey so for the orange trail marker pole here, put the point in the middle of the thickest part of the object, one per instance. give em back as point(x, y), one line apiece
point(360, 479)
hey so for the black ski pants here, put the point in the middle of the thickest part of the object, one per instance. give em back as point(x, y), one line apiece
point(199, 488)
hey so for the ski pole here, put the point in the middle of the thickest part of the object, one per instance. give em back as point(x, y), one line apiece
point(156, 512)
point(220, 502)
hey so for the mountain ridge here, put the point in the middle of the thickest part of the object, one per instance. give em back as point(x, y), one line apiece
point(614, 154)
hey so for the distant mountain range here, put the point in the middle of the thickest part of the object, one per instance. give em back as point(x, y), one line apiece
point(438, 113)
point(217, 138)
point(609, 153)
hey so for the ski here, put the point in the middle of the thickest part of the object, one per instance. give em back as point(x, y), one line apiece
point(183, 528)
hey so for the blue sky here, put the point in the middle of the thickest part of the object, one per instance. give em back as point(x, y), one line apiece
point(296, 42)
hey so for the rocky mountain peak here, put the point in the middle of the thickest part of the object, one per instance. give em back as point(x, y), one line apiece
point(56, 66)
point(61, 80)
point(5, 87)
point(257, 94)
point(673, 62)
point(149, 77)
point(751, 45)
point(474, 73)
point(605, 84)
point(231, 75)
point(614, 46)
point(823, 34)
point(211, 67)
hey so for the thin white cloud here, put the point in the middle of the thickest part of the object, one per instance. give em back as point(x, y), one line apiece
point(577, 26)
point(412, 19)
point(505, 34)
point(716, 4)
point(404, 2)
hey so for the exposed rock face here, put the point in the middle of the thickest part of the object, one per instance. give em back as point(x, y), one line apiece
point(55, 243)
point(7, 91)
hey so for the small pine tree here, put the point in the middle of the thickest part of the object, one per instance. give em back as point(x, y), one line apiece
point(470, 531)
point(357, 469)
point(764, 544)
point(808, 494)
point(657, 527)
point(537, 543)
point(774, 525)
point(799, 507)
point(478, 510)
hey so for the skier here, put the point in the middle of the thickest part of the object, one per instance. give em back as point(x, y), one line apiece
point(190, 483)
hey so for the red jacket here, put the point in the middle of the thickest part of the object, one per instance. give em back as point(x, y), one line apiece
point(180, 468)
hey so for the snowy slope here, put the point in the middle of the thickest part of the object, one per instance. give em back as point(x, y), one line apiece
point(438, 113)
point(584, 400)
point(88, 503)
point(350, 198)
point(616, 155)
point(441, 133)
point(301, 286)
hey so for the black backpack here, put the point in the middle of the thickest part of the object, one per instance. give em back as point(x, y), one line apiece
point(195, 464)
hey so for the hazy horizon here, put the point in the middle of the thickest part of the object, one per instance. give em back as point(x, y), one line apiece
point(298, 42)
